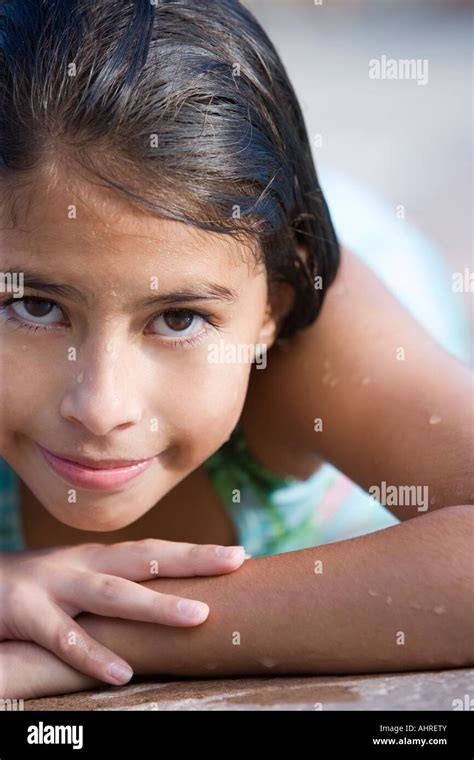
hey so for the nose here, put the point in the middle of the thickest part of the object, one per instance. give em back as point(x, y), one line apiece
point(102, 394)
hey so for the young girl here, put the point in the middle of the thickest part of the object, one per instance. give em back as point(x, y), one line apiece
point(191, 362)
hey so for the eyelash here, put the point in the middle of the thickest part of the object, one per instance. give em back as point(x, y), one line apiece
point(18, 324)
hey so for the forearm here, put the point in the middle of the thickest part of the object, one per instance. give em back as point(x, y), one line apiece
point(398, 599)
point(394, 600)
point(27, 671)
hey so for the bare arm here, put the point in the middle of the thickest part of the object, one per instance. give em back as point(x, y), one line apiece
point(394, 406)
point(394, 600)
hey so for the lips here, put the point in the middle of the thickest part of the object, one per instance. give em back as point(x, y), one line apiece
point(106, 475)
point(98, 464)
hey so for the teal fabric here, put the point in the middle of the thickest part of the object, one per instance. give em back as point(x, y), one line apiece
point(11, 538)
point(274, 514)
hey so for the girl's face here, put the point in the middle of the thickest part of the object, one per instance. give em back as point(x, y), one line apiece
point(105, 367)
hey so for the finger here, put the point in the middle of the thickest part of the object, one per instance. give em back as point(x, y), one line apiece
point(54, 630)
point(111, 596)
point(152, 557)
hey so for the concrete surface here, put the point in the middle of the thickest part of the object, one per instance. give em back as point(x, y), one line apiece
point(434, 690)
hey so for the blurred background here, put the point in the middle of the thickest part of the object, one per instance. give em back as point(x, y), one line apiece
point(408, 143)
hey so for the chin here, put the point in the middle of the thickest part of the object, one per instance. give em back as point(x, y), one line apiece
point(96, 519)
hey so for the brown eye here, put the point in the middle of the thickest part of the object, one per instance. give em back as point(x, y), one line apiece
point(29, 308)
point(37, 308)
point(178, 319)
point(184, 325)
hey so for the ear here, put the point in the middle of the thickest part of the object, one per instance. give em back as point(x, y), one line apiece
point(281, 297)
point(280, 301)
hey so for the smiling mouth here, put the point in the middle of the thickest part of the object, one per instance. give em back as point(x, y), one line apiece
point(104, 475)
point(98, 464)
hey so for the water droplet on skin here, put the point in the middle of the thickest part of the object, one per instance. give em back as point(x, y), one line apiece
point(330, 380)
point(80, 377)
point(373, 593)
point(439, 610)
point(388, 599)
point(268, 663)
point(109, 347)
point(435, 419)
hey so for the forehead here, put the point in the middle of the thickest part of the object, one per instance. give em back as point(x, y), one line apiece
point(99, 228)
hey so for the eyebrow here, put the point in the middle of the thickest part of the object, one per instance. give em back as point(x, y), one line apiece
point(205, 291)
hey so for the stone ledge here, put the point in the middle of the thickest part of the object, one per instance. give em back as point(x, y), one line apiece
point(432, 690)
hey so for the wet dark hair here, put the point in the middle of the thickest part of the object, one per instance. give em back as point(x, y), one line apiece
point(183, 106)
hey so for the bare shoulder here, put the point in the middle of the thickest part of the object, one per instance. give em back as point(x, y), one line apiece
point(364, 388)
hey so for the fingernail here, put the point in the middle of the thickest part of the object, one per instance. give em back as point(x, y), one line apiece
point(229, 552)
point(190, 609)
point(119, 673)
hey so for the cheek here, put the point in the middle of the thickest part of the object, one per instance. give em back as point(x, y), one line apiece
point(21, 390)
point(27, 385)
point(203, 407)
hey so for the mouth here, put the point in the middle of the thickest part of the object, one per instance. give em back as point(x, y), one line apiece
point(103, 475)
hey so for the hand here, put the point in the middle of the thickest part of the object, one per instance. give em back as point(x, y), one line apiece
point(41, 591)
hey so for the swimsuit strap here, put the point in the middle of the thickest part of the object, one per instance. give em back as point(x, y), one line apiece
point(234, 461)
point(271, 512)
